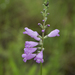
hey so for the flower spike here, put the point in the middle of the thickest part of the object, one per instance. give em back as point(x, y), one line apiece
point(30, 46)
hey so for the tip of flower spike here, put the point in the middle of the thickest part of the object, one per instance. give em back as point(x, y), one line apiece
point(43, 30)
point(46, 4)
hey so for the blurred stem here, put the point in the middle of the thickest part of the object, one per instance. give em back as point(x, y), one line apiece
point(41, 68)
point(45, 0)
point(45, 18)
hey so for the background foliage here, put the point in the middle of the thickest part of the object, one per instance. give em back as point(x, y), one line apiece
point(59, 53)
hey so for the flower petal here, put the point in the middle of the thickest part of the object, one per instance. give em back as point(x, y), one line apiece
point(23, 55)
point(30, 44)
point(54, 33)
point(29, 50)
point(39, 57)
point(32, 33)
point(28, 56)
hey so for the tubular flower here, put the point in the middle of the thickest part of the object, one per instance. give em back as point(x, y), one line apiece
point(31, 33)
point(28, 56)
point(39, 57)
point(30, 44)
point(54, 33)
point(29, 50)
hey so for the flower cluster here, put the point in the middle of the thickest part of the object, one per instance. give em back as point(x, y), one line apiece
point(30, 45)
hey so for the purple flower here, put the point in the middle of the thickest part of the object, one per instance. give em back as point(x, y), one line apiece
point(54, 33)
point(30, 44)
point(39, 23)
point(43, 30)
point(39, 57)
point(29, 50)
point(28, 56)
point(31, 33)
point(43, 20)
point(48, 25)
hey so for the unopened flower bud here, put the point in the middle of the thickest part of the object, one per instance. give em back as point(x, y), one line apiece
point(39, 24)
point(43, 20)
point(47, 4)
point(43, 30)
point(48, 25)
point(47, 13)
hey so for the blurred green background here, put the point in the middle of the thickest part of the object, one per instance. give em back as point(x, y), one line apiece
point(59, 53)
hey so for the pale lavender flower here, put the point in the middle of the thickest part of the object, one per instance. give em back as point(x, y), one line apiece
point(28, 56)
point(32, 33)
point(39, 57)
point(31, 44)
point(54, 33)
point(29, 50)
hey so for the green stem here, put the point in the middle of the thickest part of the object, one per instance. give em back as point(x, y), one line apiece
point(40, 68)
point(41, 49)
point(44, 16)
point(42, 45)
